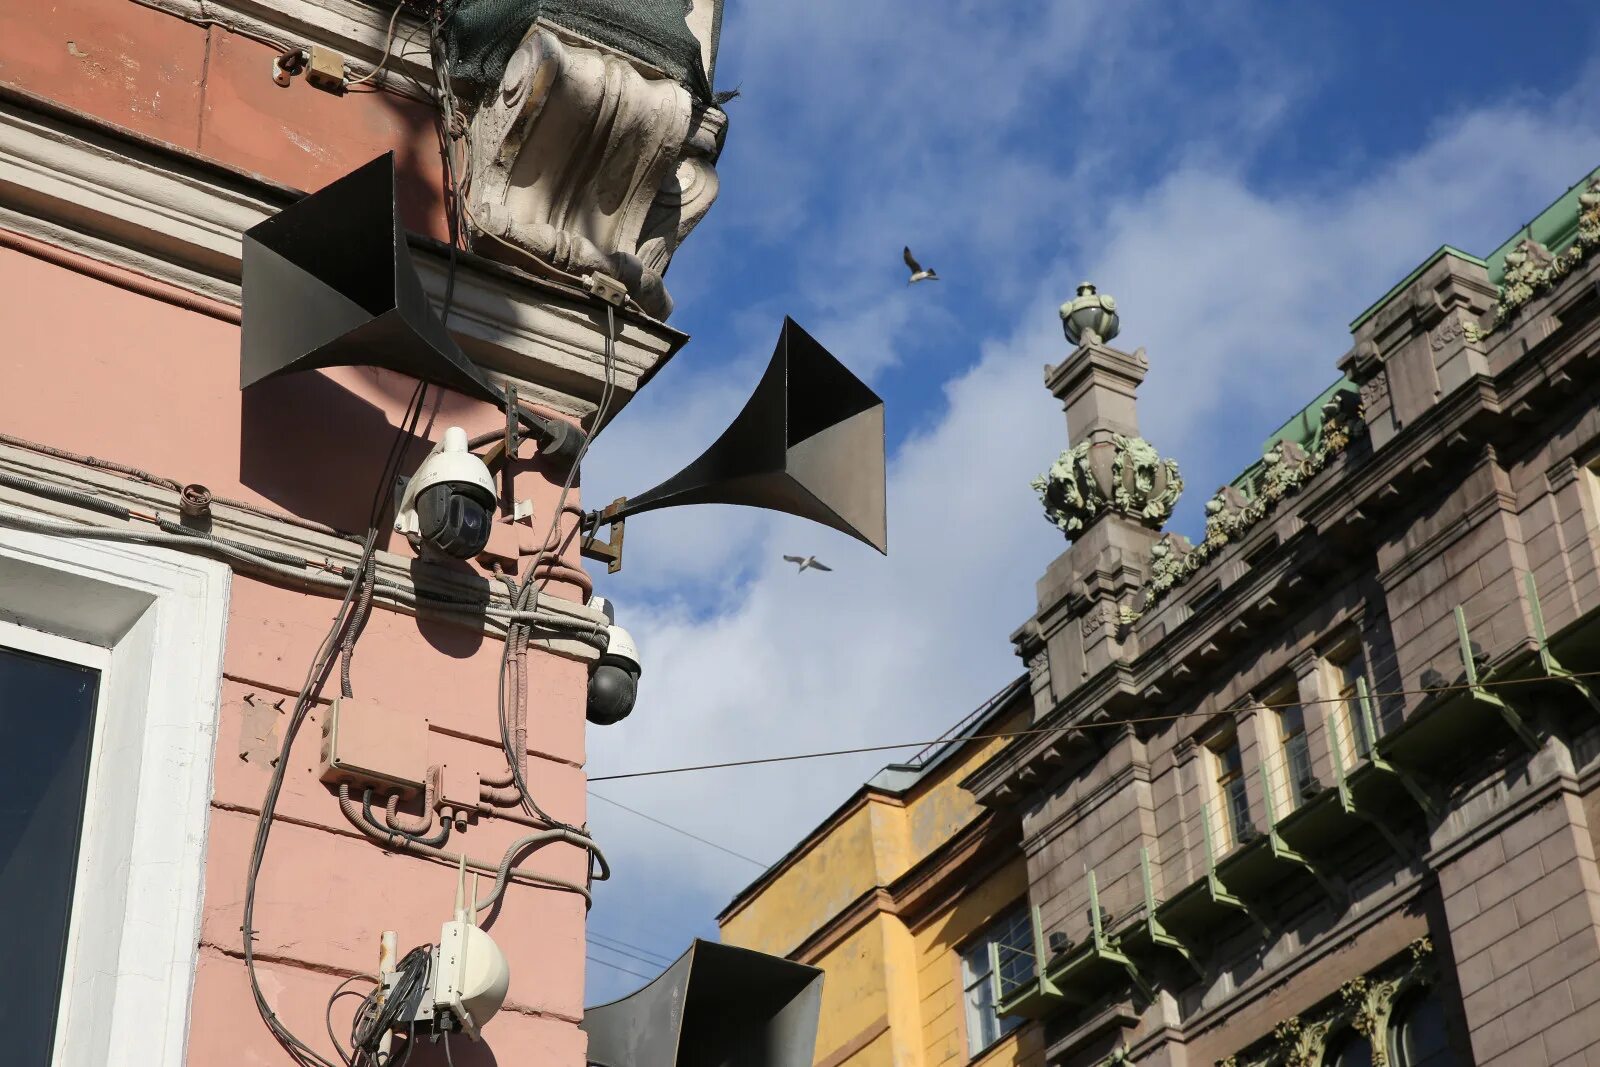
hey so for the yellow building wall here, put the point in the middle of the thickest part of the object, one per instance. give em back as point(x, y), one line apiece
point(892, 995)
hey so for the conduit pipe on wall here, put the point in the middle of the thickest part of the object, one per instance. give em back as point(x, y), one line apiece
point(502, 871)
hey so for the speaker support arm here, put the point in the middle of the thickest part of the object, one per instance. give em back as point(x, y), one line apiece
point(610, 550)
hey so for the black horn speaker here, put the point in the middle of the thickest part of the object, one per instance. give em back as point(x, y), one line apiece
point(329, 282)
point(808, 442)
point(717, 1006)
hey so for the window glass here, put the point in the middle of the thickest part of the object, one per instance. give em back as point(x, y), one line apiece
point(1355, 730)
point(1228, 764)
point(1296, 749)
point(47, 712)
point(1012, 937)
point(1348, 1048)
point(1417, 1036)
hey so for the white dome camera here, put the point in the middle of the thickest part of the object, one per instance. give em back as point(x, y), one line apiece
point(614, 682)
point(449, 502)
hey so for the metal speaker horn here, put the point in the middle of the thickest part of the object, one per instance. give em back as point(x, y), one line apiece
point(809, 442)
point(717, 1006)
point(329, 282)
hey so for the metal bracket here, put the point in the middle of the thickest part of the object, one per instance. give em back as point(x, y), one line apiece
point(1106, 948)
point(1214, 887)
point(1418, 792)
point(1547, 658)
point(610, 550)
point(1347, 800)
point(1159, 935)
point(1480, 693)
point(1281, 849)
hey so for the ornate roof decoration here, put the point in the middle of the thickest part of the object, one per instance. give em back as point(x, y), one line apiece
point(1531, 268)
point(1121, 474)
point(1285, 468)
point(1090, 318)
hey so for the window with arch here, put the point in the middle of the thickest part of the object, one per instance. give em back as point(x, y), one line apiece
point(1416, 1031)
point(1348, 1048)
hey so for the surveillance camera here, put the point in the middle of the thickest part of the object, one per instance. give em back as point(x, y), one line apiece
point(449, 503)
point(614, 682)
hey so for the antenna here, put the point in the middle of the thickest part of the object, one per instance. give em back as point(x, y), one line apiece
point(462, 914)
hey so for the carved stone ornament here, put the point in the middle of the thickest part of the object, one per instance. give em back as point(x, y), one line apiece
point(1284, 470)
point(1121, 474)
point(1090, 318)
point(1364, 1004)
point(586, 161)
point(1531, 268)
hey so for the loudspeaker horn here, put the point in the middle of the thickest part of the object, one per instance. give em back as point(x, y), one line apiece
point(329, 282)
point(808, 442)
point(717, 1006)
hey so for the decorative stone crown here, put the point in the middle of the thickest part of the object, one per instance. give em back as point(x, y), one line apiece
point(1120, 474)
point(1090, 317)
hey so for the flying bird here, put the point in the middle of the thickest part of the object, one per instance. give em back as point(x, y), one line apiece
point(808, 562)
point(918, 274)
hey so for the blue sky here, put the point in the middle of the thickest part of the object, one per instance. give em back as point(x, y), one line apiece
point(1245, 178)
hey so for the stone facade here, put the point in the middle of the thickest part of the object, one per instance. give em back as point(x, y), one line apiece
point(1328, 782)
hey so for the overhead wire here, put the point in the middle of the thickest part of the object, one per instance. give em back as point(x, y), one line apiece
point(679, 830)
point(600, 940)
point(619, 967)
point(631, 955)
point(383, 60)
point(1486, 683)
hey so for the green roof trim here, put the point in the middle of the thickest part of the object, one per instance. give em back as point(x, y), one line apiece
point(1556, 227)
point(1301, 429)
point(1444, 250)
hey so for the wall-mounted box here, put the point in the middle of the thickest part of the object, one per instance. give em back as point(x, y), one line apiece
point(371, 746)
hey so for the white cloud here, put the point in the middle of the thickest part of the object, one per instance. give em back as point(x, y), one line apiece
point(1242, 297)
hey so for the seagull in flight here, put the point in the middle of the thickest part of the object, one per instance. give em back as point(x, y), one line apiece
point(808, 562)
point(918, 274)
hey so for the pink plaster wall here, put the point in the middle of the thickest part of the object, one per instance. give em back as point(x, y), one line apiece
point(211, 91)
point(97, 369)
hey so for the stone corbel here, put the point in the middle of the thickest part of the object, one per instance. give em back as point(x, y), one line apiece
point(584, 160)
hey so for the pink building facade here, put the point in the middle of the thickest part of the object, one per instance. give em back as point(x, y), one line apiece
point(139, 139)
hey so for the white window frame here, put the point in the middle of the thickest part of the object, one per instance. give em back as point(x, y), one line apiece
point(152, 621)
point(983, 978)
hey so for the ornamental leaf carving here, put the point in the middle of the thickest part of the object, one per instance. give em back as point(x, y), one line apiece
point(1531, 268)
point(1285, 469)
point(1119, 474)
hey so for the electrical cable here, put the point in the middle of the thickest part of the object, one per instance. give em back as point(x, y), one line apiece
point(680, 830)
point(340, 991)
point(624, 952)
point(383, 61)
point(605, 941)
point(619, 967)
point(1485, 683)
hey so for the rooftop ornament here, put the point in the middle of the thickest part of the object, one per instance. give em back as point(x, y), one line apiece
point(1531, 268)
point(1284, 470)
point(1090, 318)
point(1118, 474)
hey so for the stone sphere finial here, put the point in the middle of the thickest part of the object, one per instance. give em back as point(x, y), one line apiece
point(1090, 317)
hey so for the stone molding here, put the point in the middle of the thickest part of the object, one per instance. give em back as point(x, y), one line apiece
point(1531, 268)
point(1285, 469)
point(91, 190)
point(1364, 1004)
point(583, 161)
point(252, 530)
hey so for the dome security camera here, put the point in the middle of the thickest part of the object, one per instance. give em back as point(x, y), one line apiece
point(449, 502)
point(614, 682)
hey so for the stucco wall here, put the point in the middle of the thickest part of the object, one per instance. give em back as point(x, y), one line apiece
point(98, 370)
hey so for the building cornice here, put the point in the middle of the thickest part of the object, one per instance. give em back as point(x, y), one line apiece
point(253, 529)
point(137, 204)
point(1321, 530)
